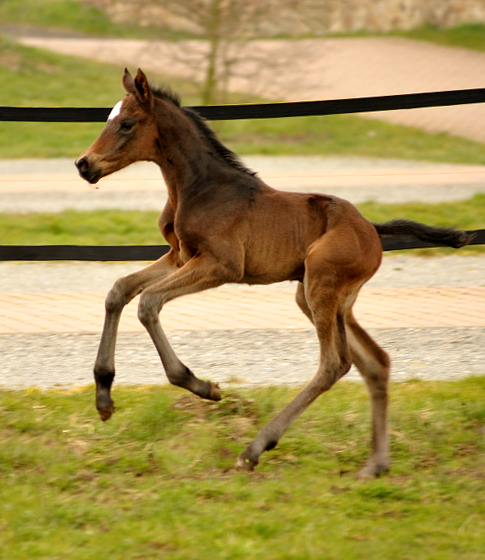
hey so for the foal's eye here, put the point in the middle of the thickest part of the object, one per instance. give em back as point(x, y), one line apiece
point(126, 126)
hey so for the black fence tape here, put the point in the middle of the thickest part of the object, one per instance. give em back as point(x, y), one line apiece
point(82, 252)
point(225, 112)
point(154, 252)
point(264, 110)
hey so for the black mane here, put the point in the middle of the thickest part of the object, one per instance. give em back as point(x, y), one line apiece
point(222, 151)
point(166, 93)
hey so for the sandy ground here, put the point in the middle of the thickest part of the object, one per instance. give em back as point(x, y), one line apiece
point(319, 69)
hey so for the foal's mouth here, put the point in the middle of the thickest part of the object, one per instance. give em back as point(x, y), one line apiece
point(93, 178)
point(87, 172)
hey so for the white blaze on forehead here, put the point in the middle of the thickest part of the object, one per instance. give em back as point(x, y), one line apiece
point(115, 111)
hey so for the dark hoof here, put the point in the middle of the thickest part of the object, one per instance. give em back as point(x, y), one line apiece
point(107, 412)
point(245, 463)
point(104, 403)
point(372, 470)
point(214, 391)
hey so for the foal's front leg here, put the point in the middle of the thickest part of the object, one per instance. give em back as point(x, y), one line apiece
point(122, 292)
point(200, 273)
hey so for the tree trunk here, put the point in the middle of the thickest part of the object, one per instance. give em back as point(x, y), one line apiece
point(210, 83)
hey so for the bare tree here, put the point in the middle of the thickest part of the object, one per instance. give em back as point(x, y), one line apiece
point(225, 26)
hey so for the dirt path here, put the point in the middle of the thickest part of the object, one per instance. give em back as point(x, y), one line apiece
point(322, 69)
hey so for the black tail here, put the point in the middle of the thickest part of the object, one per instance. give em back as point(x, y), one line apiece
point(438, 236)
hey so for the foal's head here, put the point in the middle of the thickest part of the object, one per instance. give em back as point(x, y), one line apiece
point(129, 135)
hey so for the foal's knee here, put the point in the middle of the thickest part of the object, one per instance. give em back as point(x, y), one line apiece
point(332, 368)
point(117, 297)
point(148, 309)
point(343, 366)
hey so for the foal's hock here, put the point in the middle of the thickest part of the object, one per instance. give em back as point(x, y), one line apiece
point(224, 224)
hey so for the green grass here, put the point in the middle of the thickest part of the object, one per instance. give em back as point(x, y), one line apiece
point(72, 227)
point(349, 136)
point(467, 214)
point(464, 214)
point(67, 15)
point(37, 78)
point(468, 36)
point(113, 227)
point(32, 77)
point(78, 17)
point(156, 481)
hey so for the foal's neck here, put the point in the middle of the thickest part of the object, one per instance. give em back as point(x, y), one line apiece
point(183, 155)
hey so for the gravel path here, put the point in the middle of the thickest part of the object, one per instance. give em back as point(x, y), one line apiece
point(256, 357)
point(249, 357)
point(396, 271)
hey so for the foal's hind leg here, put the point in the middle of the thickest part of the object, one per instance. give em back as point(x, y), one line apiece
point(122, 292)
point(302, 302)
point(326, 309)
point(374, 365)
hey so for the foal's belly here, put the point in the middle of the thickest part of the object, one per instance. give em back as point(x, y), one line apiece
point(268, 279)
point(273, 271)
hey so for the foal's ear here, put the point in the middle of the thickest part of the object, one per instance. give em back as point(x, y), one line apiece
point(142, 89)
point(128, 82)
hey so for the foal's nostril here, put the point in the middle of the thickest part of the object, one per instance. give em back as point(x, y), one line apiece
point(82, 164)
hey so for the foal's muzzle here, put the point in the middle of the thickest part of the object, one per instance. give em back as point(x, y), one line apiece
point(87, 171)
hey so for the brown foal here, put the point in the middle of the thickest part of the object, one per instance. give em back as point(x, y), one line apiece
point(224, 224)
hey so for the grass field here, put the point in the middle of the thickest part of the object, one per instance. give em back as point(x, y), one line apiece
point(32, 77)
point(467, 36)
point(36, 78)
point(157, 480)
point(113, 227)
point(77, 17)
